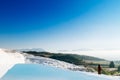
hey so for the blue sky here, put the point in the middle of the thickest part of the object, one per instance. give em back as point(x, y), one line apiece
point(59, 24)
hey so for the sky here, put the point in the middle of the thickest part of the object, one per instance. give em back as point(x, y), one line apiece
point(60, 24)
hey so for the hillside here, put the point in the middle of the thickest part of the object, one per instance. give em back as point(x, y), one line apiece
point(70, 58)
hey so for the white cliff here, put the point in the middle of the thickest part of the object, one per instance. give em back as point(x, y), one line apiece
point(8, 59)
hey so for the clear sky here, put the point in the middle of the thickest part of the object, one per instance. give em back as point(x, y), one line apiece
point(60, 24)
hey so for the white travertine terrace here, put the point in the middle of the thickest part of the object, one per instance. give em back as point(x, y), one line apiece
point(8, 59)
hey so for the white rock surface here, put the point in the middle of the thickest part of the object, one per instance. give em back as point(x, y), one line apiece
point(52, 62)
point(8, 59)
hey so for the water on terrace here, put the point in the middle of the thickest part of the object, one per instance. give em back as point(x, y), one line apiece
point(43, 72)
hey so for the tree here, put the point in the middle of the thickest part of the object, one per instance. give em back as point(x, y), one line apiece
point(112, 65)
point(118, 68)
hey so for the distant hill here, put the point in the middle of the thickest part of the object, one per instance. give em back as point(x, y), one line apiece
point(32, 49)
point(70, 58)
